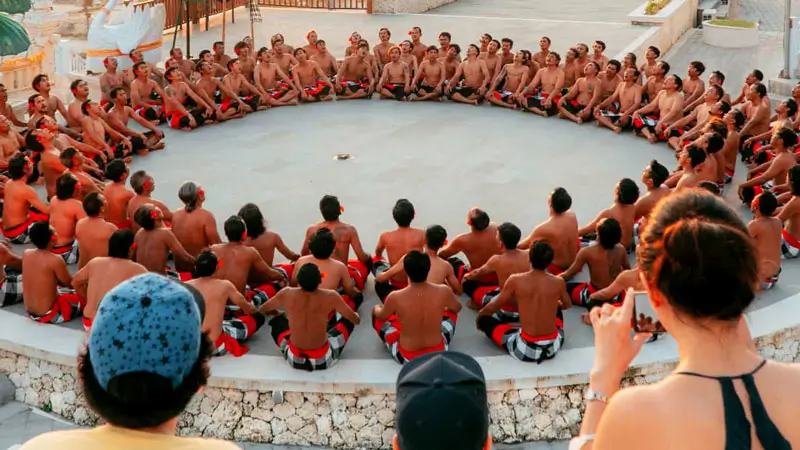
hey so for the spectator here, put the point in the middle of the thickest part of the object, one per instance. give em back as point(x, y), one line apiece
point(699, 267)
point(442, 404)
point(140, 378)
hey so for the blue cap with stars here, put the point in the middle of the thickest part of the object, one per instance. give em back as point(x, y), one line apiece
point(147, 324)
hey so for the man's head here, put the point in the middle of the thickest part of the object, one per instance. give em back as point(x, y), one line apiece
point(478, 219)
point(300, 54)
point(147, 216)
point(362, 51)
point(509, 235)
point(3, 93)
point(692, 156)
point(415, 33)
point(553, 59)
point(384, 34)
point(696, 68)
point(435, 237)
point(42, 235)
point(234, 66)
point(654, 175)
point(176, 54)
point(235, 229)
point(735, 118)
point(757, 92)
point(432, 54)
point(714, 142)
point(90, 108)
point(120, 243)
point(582, 48)
point(191, 195)
point(609, 233)
point(765, 204)
point(544, 43)
point(253, 220)
point(598, 47)
point(67, 186)
point(142, 182)
point(444, 39)
point(39, 139)
point(560, 201)
point(630, 75)
point(612, 68)
point(662, 68)
point(454, 51)
point(70, 158)
point(79, 88)
point(627, 192)
point(19, 166)
point(116, 171)
point(119, 95)
point(506, 45)
point(717, 78)
point(629, 60)
point(473, 51)
point(41, 83)
point(591, 69)
point(37, 104)
point(141, 70)
point(241, 49)
point(784, 138)
point(442, 404)
point(394, 53)
point(142, 376)
point(206, 264)
point(485, 39)
point(94, 204)
point(219, 47)
point(136, 56)
point(673, 83)
point(322, 243)
point(541, 255)
point(713, 94)
point(174, 74)
point(330, 208)
point(652, 52)
point(417, 266)
point(309, 277)
point(403, 213)
point(322, 47)
point(406, 46)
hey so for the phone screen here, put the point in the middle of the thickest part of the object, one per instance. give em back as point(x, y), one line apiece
point(645, 316)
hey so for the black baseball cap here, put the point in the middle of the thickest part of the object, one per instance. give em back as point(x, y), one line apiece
point(442, 404)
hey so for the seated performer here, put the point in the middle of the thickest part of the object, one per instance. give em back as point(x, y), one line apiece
point(354, 79)
point(194, 227)
point(395, 77)
point(540, 298)
point(734, 120)
point(766, 231)
point(407, 323)
point(181, 113)
point(577, 104)
point(693, 85)
point(451, 60)
point(92, 232)
point(626, 193)
point(244, 267)
point(397, 244)
point(310, 80)
point(40, 141)
point(511, 262)
point(104, 272)
point(606, 260)
point(441, 271)
point(6, 109)
point(494, 63)
point(514, 77)
point(478, 245)
point(227, 334)
point(143, 185)
point(154, 243)
point(52, 103)
point(429, 79)
point(560, 230)
point(21, 205)
point(154, 72)
point(110, 80)
point(753, 147)
point(616, 111)
point(542, 94)
point(698, 116)
point(245, 57)
point(282, 55)
point(118, 116)
point(789, 214)
point(311, 48)
point(237, 84)
point(273, 81)
point(48, 299)
point(468, 84)
point(147, 97)
point(266, 241)
point(117, 195)
point(408, 58)
point(186, 66)
point(219, 54)
point(10, 276)
point(773, 172)
point(653, 177)
point(346, 236)
point(418, 49)
point(308, 339)
point(326, 61)
point(65, 212)
point(691, 160)
point(649, 67)
point(757, 111)
point(662, 111)
point(756, 76)
point(598, 47)
point(337, 275)
point(96, 131)
point(211, 89)
point(74, 163)
point(80, 93)
point(63, 142)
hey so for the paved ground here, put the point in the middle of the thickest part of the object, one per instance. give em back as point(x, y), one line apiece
point(768, 13)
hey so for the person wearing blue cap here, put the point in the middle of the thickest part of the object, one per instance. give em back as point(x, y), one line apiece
point(139, 378)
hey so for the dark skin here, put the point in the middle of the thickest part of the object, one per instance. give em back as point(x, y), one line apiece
point(153, 247)
point(243, 265)
point(346, 236)
point(217, 294)
point(604, 265)
point(504, 266)
point(267, 243)
point(477, 246)
point(44, 272)
point(335, 274)
point(441, 273)
point(398, 242)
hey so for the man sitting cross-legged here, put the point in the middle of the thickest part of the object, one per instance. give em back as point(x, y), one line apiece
point(10, 276)
point(540, 298)
point(48, 299)
point(226, 334)
point(308, 338)
point(21, 205)
point(194, 226)
point(420, 318)
point(144, 185)
point(65, 212)
point(266, 241)
point(560, 230)
point(396, 243)
point(154, 242)
point(338, 276)
point(103, 273)
point(478, 245)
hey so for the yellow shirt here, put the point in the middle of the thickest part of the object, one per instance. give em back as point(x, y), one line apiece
point(112, 438)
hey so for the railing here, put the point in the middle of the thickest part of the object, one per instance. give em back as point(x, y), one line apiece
point(19, 76)
point(177, 14)
point(321, 4)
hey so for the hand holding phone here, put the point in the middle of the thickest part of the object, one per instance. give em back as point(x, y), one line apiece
point(645, 318)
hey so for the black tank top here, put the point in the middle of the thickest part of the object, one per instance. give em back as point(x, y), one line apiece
point(737, 427)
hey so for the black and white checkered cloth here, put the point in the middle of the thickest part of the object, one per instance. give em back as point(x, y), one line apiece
point(255, 13)
point(11, 290)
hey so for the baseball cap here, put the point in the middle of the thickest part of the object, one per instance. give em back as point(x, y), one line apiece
point(442, 404)
point(148, 323)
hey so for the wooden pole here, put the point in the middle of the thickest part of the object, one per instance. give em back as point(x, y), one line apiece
point(224, 18)
point(188, 29)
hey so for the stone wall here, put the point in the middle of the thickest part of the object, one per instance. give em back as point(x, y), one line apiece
point(667, 26)
point(406, 6)
point(340, 420)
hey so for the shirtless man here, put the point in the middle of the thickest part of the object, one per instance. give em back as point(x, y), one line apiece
point(245, 57)
point(784, 113)
point(396, 243)
point(506, 45)
point(308, 339)
point(37, 108)
point(420, 318)
point(92, 231)
point(21, 205)
point(698, 116)
point(515, 77)
point(219, 54)
point(104, 272)
point(766, 231)
point(598, 47)
point(756, 76)
point(418, 49)
point(655, 83)
point(266, 241)
point(623, 211)
point(326, 61)
point(478, 245)
point(757, 111)
point(65, 212)
point(279, 88)
point(74, 163)
point(469, 83)
point(494, 63)
point(6, 109)
point(346, 236)
point(117, 195)
point(665, 109)
point(773, 172)
point(581, 59)
point(312, 37)
point(154, 72)
point(41, 84)
point(80, 92)
point(112, 79)
point(353, 43)
point(609, 79)
point(45, 284)
point(154, 243)
point(236, 83)
point(693, 85)
point(577, 105)
point(143, 186)
point(445, 43)
point(395, 81)
point(118, 117)
point(211, 89)
point(571, 70)
point(544, 49)
point(716, 78)
point(616, 112)
point(734, 121)
point(310, 80)
point(381, 50)
point(355, 79)
point(790, 215)
point(650, 65)
point(408, 58)
point(451, 61)
point(11, 142)
point(691, 158)
point(539, 297)
point(147, 97)
point(542, 94)
point(181, 113)
point(560, 231)
point(653, 177)
point(428, 83)
point(283, 58)
point(193, 226)
point(228, 334)
point(186, 66)
point(218, 70)
point(95, 130)
point(41, 141)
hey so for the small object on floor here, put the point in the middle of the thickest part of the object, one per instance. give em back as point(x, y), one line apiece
point(343, 156)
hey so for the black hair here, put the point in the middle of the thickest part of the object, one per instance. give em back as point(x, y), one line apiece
point(560, 200)
point(791, 106)
point(738, 119)
point(655, 50)
point(41, 234)
point(32, 142)
point(93, 203)
point(417, 266)
point(487, 35)
point(235, 229)
point(386, 30)
point(696, 155)
point(446, 34)
point(788, 137)
point(724, 106)
point(717, 90)
point(509, 235)
point(596, 66)
point(231, 62)
point(556, 56)
point(170, 71)
point(403, 213)
point(698, 66)
point(794, 180)
point(322, 243)
point(761, 90)
point(17, 165)
point(216, 43)
point(300, 49)
point(138, 66)
point(37, 80)
point(657, 173)
point(435, 237)
point(678, 81)
point(114, 93)
point(627, 191)
point(715, 142)
point(710, 186)
point(665, 66)
point(479, 220)
point(309, 277)
point(457, 48)
point(205, 264)
point(140, 400)
point(632, 57)
point(767, 203)
point(330, 208)
point(144, 216)
point(85, 107)
point(616, 64)
point(115, 170)
point(240, 45)
point(719, 75)
point(609, 233)
point(119, 244)
point(541, 255)
point(759, 75)
point(475, 47)
point(602, 44)
point(204, 53)
point(74, 85)
point(432, 48)
point(512, 42)
point(253, 220)
point(69, 158)
point(496, 42)
point(65, 186)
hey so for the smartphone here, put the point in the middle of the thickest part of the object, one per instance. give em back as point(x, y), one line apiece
point(645, 318)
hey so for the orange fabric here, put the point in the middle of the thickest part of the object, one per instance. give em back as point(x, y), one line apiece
point(232, 346)
point(409, 355)
point(309, 354)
